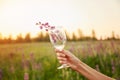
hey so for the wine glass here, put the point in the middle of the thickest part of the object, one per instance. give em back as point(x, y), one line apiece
point(58, 39)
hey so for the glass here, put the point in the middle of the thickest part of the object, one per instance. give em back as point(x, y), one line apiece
point(58, 40)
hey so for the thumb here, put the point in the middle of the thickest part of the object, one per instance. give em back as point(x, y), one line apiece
point(66, 52)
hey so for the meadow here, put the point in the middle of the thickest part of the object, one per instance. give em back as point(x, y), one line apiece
point(37, 61)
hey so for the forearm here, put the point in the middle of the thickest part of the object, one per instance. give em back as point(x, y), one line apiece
point(68, 58)
point(90, 73)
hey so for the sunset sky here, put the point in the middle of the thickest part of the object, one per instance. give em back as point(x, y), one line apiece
point(20, 16)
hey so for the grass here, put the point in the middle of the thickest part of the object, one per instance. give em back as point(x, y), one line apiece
point(37, 61)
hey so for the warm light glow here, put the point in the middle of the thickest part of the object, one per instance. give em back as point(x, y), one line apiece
point(20, 16)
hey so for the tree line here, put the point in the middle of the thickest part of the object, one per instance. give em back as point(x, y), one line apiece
point(42, 37)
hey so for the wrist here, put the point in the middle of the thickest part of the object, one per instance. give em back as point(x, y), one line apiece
point(78, 66)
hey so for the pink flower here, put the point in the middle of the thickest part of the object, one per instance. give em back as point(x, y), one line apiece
point(52, 27)
point(26, 76)
point(54, 37)
point(39, 22)
point(46, 26)
point(46, 29)
point(41, 27)
point(36, 23)
point(43, 24)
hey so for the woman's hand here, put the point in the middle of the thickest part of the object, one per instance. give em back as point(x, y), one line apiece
point(66, 57)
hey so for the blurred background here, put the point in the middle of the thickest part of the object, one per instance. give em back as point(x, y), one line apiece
point(92, 28)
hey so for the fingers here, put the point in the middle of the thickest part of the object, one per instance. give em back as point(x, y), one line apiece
point(62, 58)
point(63, 51)
point(61, 55)
point(59, 51)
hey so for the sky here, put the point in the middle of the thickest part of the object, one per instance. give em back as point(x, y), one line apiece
point(20, 16)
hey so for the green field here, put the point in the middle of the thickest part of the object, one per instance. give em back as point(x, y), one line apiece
point(37, 61)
